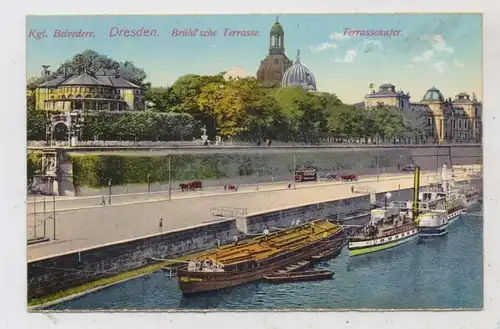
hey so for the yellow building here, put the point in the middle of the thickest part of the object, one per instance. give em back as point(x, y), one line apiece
point(89, 92)
point(440, 120)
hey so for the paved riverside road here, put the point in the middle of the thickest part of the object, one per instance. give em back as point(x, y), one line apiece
point(65, 203)
point(88, 227)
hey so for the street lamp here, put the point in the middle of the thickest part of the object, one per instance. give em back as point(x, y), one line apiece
point(386, 196)
point(109, 193)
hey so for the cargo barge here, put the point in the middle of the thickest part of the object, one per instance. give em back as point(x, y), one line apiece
point(249, 261)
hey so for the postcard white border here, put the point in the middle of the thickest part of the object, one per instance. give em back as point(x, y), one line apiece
point(13, 190)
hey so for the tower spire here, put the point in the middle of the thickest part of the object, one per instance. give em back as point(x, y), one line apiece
point(298, 55)
point(277, 19)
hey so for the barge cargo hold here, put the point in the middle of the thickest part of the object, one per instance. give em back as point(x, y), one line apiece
point(245, 262)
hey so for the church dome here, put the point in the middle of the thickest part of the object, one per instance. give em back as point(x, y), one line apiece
point(299, 75)
point(433, 95)
point(277, 29)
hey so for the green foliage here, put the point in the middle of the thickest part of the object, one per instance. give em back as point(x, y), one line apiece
point(96, 170)
point(36, 120)
point(241, 109)
point(144, 125)
point(34, 165)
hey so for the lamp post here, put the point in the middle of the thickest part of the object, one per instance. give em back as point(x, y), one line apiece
point(109, 192)
point(386, 196)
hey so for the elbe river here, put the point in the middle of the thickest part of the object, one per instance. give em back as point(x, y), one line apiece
point(439, 273)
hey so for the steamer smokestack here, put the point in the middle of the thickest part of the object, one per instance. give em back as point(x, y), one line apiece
point(416, 188)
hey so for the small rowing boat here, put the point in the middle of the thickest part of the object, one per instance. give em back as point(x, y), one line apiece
point(299, 276)
point(299, 266)
point(328, 254)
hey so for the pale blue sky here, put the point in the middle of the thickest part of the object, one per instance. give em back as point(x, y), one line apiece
point(434, 50)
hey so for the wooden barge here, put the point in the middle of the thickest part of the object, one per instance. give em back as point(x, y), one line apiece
point(249, 261)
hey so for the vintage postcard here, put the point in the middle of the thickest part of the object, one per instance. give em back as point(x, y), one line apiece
point(255, 162)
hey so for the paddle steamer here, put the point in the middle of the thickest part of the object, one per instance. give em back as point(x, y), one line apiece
point(388, 226)
point(249, 261)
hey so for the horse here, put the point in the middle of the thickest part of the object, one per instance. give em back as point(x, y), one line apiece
point(184, 187)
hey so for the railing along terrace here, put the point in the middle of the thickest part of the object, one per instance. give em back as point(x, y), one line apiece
point(198, 143)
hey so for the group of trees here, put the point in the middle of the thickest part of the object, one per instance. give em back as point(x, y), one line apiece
point(242, 109)
point(143, 125)
point(239, 109)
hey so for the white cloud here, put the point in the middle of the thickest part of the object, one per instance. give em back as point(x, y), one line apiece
point(424, 57)
point(323, 46)
point(457, 63)
point(409, 66)
point(440, 66)
point(338, 36)
point(348, 58)
point(371, 46)
point(438, 43)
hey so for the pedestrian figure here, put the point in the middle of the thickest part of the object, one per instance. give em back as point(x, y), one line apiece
point(103, 201)
point(160, 225)
point(352, 189)
point(399, 167)
point(236, 188)
point(269, 143)
point(289, 185)
point(225, 187)
point(235, 240)
point(258, 142)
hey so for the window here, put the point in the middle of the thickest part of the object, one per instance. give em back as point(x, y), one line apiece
point(429, 121)
point(465, 124)
point(459, 124)
point(476, 124)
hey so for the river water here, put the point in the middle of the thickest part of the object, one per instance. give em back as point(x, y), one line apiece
point(439, 273)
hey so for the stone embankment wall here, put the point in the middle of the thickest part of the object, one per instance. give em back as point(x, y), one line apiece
point(257, 223)
point(53, 274)
point(129, 172)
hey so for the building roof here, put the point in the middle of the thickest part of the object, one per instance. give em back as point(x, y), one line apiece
point(277, 29)
point(299, 75)
point(387, 90)
point(87, 79)
point(433, 95)
point(236, 72)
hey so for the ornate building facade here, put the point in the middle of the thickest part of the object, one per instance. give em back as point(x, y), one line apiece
point(274, 66)
point(438, 119)
point(89, 92)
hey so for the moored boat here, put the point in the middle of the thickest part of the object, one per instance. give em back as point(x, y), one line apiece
point(238, 264)
point(299, 266)
point(299, 276)
point(389, 226)
point(328, 254)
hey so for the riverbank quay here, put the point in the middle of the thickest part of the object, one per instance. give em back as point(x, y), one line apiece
point(86, 227)
point(92, 263)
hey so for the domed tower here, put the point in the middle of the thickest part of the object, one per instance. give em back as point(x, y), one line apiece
point(299, 75)
point(436, 103)
point(273, 67)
